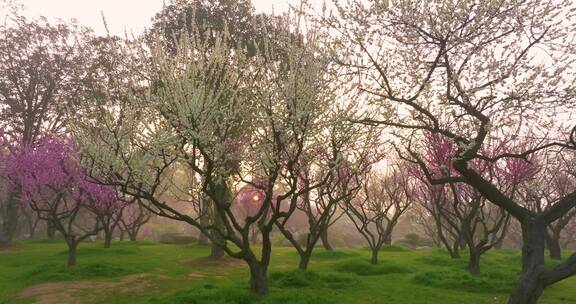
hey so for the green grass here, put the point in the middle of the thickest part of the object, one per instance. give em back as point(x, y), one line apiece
point(153, 273)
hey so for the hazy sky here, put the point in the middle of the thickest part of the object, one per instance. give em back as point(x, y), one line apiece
point(121, 15)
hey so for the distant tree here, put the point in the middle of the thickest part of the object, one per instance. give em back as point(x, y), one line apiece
point(52, 182)
point(377, 209)
point(42, 66)
point(109, 214)
point(180, 17)
point(462, 210)
point(327, 177)
point(134, 216)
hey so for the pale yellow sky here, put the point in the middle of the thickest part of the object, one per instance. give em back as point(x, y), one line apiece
point(121, 15)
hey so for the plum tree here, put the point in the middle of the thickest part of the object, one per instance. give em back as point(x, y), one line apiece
point(51, 181)
point(377, 209)
point(223, 117)
point(467, 71)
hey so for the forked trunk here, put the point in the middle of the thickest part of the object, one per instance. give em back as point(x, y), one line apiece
point(530, 284)
point(258, 278)
point(474, 262)
point(305, 259)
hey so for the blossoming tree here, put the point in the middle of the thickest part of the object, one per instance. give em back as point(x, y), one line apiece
point(223, 117)
point(472, 71)
point(51, 181)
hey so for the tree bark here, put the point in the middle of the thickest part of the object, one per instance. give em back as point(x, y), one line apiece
point(554, 248)
point(72, 253)
point(374, 258)
point(10, 223)
point(217, 252)
point(530, 284)
point(474, 262)
point(304, 260)
point(258, 278)
point(454, 251)
point(325, 240)
point(107, 239)
point(388, 239)
point(204, 221)
point(50, 230)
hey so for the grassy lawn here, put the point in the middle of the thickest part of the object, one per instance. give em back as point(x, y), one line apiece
point(147, 272)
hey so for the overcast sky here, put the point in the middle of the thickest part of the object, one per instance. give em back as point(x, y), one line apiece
point(121, 15)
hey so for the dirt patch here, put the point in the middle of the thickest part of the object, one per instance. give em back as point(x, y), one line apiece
point(196, 275)
point(10, 248)
point(218, 267)
point(67, 292)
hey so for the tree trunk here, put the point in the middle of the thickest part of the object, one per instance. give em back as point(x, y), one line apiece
point(72, 253)
point(304, 260)
point(325, 241)
point(122, 233)
point(50, 230)
point(554, 248)
point(33, 228)
point(216, 252)
point(10, 223)
point(529, 286)
point(258, 278)
point(455, 250)
point(3, 240)
point(374, 258)
point(474, 262)
point(388, 239)
point(107, 239)
point(204, 220)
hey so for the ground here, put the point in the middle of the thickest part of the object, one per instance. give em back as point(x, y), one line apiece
point(148, 272)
